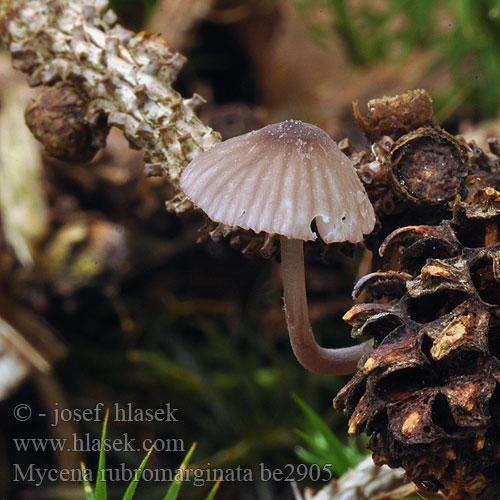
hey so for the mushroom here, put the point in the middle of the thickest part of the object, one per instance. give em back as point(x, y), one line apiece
point(280, 179)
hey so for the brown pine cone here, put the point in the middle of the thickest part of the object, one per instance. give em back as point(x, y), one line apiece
point(414, 171)
point(429, 393)
point(61, 119)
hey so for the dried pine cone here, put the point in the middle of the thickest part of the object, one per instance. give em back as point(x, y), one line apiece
point(88, 250)
point(395, 116)
point(60, 120)
point(429, 393)
point(413, 170)
point(246, 241)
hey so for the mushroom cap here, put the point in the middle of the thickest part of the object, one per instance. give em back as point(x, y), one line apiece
point(279, 179)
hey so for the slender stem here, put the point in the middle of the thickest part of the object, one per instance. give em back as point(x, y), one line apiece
point(309, 354)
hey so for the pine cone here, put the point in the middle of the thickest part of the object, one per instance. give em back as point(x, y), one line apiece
point(61, 119)
point(429, 393)
point(413, 170)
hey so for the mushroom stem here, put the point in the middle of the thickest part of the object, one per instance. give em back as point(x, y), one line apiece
point(308, 353)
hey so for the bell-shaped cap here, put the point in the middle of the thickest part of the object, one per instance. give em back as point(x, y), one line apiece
point(279, 179)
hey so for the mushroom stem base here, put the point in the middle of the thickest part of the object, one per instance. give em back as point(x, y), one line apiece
point(308, 353)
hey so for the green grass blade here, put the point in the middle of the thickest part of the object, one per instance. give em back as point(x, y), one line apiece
point(173, 491)
point(310, 458)
point(353, 453)
point(337, 453)
point(138, 473)
point(100, 484)
point(339, 464)
point(86, 485)
point(213, 491)
point(316, 442)
point(319, 425)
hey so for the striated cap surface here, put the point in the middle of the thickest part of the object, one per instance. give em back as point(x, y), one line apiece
point(279, 179)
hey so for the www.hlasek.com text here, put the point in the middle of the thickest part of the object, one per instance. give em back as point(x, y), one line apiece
point(87, 443)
